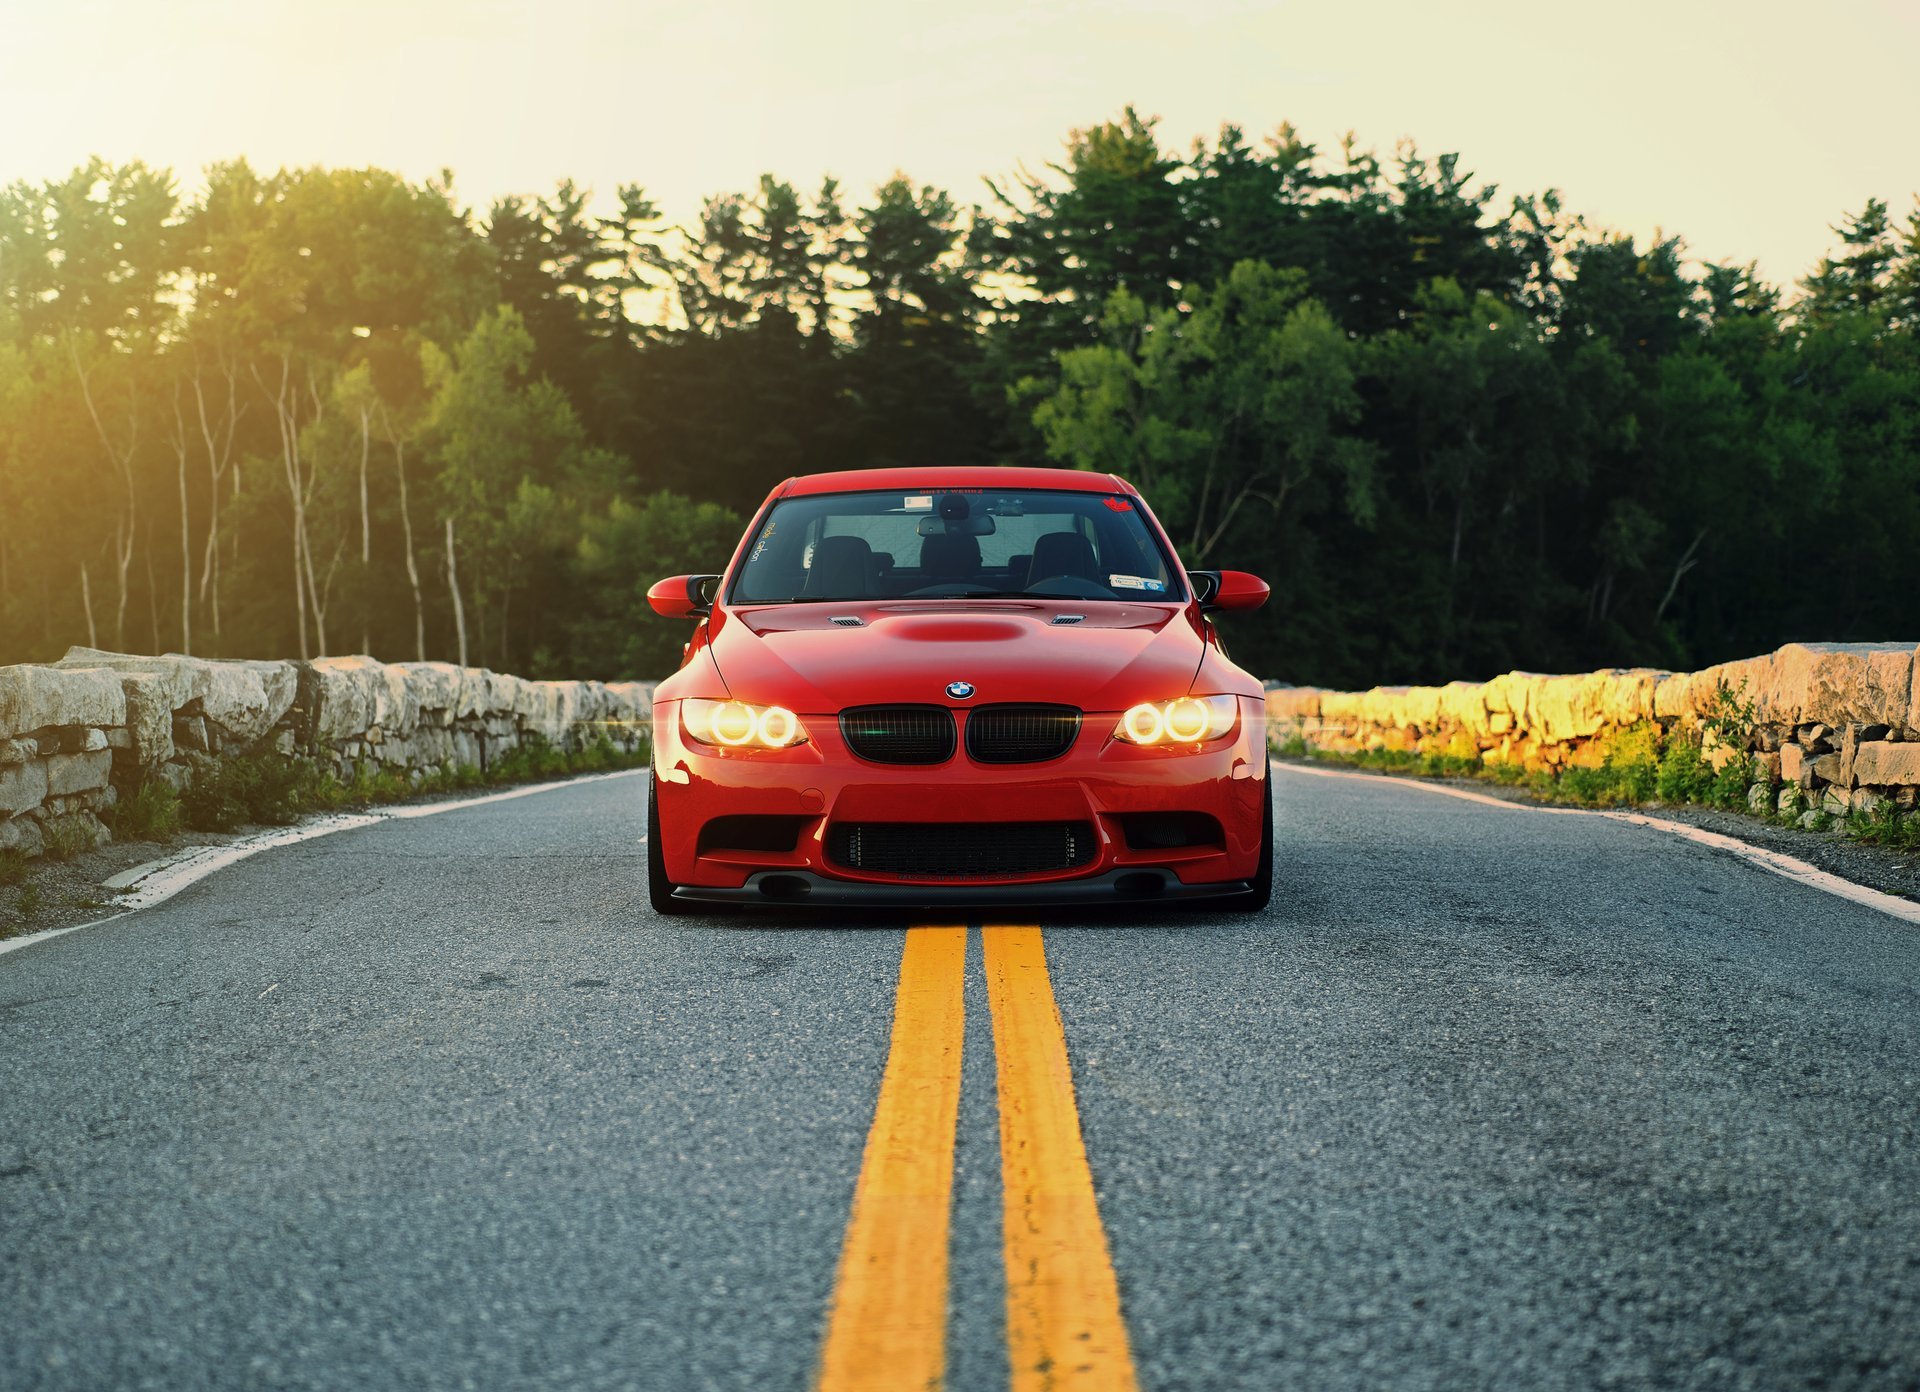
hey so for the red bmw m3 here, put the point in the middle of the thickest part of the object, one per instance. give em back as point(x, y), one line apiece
point(957, 686)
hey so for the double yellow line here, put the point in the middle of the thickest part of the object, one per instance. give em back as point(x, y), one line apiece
point(888, 1325)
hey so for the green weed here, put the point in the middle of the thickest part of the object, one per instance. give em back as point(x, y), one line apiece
point(151, 812)
point(1731, 718)
point(14, 867)
point(1682, 775)
point(1887, 826)
point(66, 837)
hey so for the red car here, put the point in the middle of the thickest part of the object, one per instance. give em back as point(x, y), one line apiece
point(957, 686)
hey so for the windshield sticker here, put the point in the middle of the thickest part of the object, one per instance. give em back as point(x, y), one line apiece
point(1134, 582)
point(1118, 504)
point(919, 502)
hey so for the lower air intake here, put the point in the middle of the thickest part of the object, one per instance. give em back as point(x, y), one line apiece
point(960, 850)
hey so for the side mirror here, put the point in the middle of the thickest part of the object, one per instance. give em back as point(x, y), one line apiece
point(1228, 589)
point(684, 596)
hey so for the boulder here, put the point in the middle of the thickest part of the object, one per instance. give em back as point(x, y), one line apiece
point(149, 718)
point(22, 786)
point(1464, 704)
point(68, 774)
point(344, 697)
point(21, 834)
point(243, 699)
point(1285, 704)
point(247, 699)
point(1564, 709)
point(36, 698)
point(1885, 764)
point(436, 687)
point(1626, 696)
point(1837, 684)
point(484, 693)
point(1825, 769)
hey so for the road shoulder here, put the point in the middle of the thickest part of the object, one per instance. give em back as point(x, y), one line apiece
point(1876, 867)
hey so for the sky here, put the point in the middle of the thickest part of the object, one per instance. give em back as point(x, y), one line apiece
point(1748, 128)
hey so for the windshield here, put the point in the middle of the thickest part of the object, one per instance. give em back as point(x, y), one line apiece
point(962, 544)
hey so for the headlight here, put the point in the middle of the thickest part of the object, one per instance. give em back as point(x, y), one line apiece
point(737, 725)
point(1189, 720)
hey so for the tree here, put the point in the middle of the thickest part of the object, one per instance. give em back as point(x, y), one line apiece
point(511, 458)
point(1245, 403)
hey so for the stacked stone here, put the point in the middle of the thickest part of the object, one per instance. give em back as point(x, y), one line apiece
point(1839, 723)
point(57, 733)
point(75, 735)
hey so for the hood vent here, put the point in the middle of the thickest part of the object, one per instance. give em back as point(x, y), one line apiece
point(1060, 619)
point(847, 621)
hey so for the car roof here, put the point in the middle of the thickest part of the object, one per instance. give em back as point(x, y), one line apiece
point(933, 478)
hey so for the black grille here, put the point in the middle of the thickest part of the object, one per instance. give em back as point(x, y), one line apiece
point(960, 850)
point(899, 734)
point(1020, 734)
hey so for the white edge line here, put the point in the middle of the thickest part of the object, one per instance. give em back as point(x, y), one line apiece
point(159, 880)
point(1780, 863)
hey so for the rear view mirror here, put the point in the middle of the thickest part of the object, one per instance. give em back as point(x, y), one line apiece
point(963, 526)
point(1228, 589)
point(684, 596)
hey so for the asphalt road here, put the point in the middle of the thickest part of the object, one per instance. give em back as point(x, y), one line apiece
point(1489, 1098)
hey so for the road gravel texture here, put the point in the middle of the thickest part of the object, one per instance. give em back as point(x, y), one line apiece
point(1489, 1098)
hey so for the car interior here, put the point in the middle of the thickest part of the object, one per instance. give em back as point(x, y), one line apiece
point(850, 555)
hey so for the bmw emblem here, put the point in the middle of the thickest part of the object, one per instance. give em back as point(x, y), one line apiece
point(959, 690)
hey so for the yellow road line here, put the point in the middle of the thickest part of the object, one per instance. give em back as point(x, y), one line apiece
point(888, 1326)
point(1064, 1328)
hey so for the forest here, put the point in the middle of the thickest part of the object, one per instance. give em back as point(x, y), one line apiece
point(333, 410)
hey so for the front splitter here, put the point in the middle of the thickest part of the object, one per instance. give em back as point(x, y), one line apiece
point(776, 887)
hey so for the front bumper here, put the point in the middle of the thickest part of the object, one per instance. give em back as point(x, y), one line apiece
point(1101, 781)
point(805, 887)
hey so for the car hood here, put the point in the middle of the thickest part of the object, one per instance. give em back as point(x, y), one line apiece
point(799, 656)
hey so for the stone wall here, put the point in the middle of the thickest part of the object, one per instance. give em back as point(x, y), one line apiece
point(77, 734)
point(1839, 720)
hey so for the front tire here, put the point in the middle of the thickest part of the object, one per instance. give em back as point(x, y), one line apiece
point(659, 887)
point(1259, 892)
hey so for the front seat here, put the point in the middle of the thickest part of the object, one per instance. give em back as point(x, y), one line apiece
point(946, 558)
point(840, 570)
point(1063, 553)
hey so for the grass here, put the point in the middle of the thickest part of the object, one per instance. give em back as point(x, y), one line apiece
point(66, 837)
point(1886, 826)
point(13, 867)
point(151, 812)
point(276, 791)
point(1639, 766)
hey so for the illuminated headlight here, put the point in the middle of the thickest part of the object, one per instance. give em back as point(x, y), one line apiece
point(737, 725)
point(1189, 720)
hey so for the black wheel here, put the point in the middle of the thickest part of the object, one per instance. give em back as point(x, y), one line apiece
point(1259, 891)
point(659, 887)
